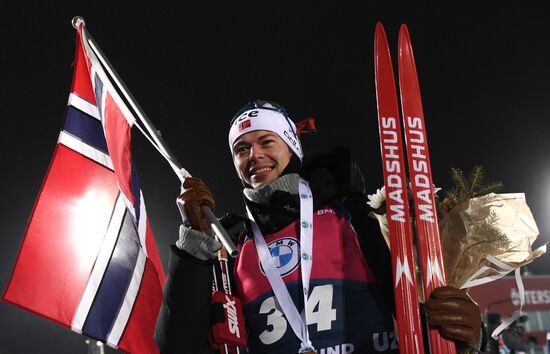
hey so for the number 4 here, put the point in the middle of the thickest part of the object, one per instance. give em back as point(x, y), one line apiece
point(321, 299)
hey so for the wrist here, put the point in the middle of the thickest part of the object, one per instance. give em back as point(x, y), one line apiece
point(199, 244)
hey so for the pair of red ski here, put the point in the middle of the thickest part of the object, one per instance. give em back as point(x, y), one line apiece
point(396, 184)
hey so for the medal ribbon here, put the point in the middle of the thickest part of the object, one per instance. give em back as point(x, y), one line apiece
point(297, 322)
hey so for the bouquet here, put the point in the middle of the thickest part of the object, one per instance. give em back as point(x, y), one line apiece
point(484, 235)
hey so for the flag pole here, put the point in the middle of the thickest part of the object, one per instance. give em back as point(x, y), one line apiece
point(155, 135)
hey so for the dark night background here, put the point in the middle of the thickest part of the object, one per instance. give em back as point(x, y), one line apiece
point(483, 72)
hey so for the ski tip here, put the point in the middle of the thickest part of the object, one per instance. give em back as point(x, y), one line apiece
point(404, 33)
point(380, 40)
point(379, 30)
point(405, 45)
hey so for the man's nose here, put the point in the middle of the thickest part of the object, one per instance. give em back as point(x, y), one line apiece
point(255, 153)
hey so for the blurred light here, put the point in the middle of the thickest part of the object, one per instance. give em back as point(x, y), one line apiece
point(90, 224)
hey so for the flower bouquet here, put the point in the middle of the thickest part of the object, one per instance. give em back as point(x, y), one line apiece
point(484, 235)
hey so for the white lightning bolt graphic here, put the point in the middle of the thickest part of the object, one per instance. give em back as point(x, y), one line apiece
point(434, 270)
point(402, 268)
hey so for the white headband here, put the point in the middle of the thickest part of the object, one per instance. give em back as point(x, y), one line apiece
point(266, 119)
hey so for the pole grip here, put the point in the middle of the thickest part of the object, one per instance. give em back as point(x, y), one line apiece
point(220, 231)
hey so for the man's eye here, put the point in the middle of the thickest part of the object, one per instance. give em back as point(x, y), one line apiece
point(241, 150)
point(267, 142)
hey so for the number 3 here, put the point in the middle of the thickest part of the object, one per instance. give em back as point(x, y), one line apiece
point(275, 319)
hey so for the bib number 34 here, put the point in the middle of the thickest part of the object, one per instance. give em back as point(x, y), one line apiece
point(319, 311)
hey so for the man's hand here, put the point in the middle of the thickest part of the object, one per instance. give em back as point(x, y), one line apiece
point(455, 315)
point(194, 195)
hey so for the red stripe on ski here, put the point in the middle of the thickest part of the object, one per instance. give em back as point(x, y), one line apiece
point(420, 173)
point(397, 205)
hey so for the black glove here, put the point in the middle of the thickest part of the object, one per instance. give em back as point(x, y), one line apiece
point(194, 195)
point(453, 312)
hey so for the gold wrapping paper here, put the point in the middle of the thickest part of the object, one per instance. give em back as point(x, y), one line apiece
point(497, 225)
point(475, 233)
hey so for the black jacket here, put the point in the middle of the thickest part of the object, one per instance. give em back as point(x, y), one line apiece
point(185, 316)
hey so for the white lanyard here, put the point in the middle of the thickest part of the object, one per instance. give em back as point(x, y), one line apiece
point(297, 323)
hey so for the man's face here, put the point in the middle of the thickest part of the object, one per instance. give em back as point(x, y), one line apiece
point(260, 157)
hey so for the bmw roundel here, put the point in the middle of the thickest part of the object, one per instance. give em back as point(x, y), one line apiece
point(285, 253)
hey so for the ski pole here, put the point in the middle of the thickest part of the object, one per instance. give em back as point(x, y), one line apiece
point(226, 282)
point(228, 335)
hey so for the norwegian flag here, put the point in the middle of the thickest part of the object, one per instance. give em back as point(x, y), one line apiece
point(89, 260)
point(244, 125)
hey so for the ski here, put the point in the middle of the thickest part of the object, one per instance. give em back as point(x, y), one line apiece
point(409, 330)
point(420, 173)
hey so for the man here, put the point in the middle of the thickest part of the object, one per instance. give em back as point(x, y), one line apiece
point(314, 273)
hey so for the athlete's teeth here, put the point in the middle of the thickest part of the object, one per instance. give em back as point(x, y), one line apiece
point(261, 170)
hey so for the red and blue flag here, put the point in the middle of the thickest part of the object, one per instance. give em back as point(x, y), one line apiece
point(88, 260)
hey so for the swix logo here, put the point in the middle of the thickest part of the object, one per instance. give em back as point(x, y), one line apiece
point(232, 319)
point(244, 124)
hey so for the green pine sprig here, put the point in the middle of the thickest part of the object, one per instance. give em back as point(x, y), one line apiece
point(469, 187)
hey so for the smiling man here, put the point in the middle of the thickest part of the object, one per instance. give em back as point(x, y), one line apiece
point(260, 157)
point(313, 273)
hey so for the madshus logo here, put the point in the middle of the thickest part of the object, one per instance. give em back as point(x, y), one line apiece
point(285, 253)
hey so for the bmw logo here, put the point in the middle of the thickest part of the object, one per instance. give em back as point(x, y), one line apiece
point(285, 253)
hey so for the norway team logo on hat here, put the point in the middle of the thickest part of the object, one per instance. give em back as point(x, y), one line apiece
point(245, 124)
point(285, 253)
point(262, 118)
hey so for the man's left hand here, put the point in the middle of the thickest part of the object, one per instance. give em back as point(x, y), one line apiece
point(455, 315)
